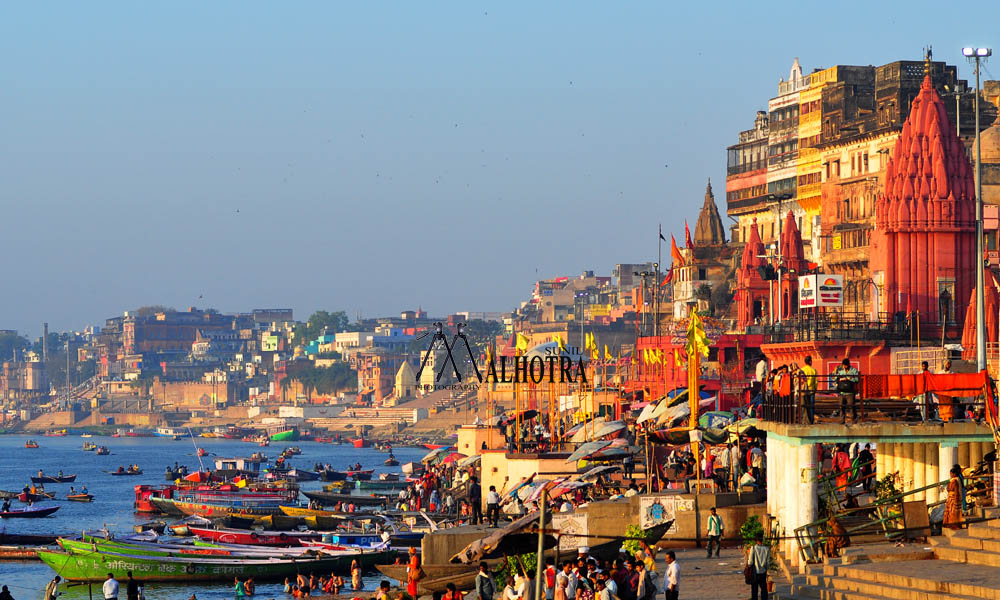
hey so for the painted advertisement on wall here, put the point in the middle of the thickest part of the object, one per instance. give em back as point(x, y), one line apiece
point(654, 510)
point(573, 528)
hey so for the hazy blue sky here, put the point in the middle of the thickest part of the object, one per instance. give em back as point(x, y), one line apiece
point(380, 156)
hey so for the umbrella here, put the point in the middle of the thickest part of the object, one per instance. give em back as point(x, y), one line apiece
point(715, 418)
point(468, 462)
point(598, 471)
point(560, 487)
point(607, 429)
point(454, 456)
point(647, 410)
point(574, 429)
point(528, 414)
point(587, 449)
point(433, 454)
point(497, 420)
point(581, 430)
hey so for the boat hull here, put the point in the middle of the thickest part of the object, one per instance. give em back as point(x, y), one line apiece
point(53, 479)
point(29, 513)
point(329, 499)
point(285, 436)
point(95, 566)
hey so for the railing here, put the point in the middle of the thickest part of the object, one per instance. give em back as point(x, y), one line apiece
point(917, 397)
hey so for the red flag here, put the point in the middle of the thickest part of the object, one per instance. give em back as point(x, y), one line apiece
point(669, 277)
point(687, 235)
point(675, 252)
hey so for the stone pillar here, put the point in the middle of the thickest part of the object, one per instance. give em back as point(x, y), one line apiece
point(931, 473)
point(975, 453)
point(880, 468)
point(919, 469)
point(906, 470)
point(890, 457)
point(947, 456)
point(807, 488)
point(963, 454)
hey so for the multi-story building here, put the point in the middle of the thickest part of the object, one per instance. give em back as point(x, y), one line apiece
point(169, 331)
point(746, 176)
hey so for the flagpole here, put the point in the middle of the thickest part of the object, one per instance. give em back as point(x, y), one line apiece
point(656, 288)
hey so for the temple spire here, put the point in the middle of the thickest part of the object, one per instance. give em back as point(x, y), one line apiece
point(709, 231)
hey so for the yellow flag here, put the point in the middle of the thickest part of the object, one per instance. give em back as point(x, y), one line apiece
point(660, 358)
point(522, 342)
point(242, 483)
point(677, 358)
point(697, 341)
point(558, 340)
point(607, 355)
point(645, 356)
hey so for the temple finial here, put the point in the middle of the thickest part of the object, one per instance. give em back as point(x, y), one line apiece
point(928, 56)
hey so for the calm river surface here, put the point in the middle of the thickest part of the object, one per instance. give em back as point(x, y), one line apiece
point(113, 496)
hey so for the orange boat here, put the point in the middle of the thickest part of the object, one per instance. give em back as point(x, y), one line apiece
point(31, 444)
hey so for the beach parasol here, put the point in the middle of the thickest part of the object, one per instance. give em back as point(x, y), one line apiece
point(469, 461)
point(579, 432)
point(716, 418)
point(453, 457)
point(607, 429)
point(598, 471)
point(434, 454)
point(587, 449)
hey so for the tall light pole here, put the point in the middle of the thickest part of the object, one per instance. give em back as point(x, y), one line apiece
point(978, 54)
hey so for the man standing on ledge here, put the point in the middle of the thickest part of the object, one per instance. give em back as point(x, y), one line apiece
point(808, 387)
point(476, 501)
point(110, 588)
point(847, 387)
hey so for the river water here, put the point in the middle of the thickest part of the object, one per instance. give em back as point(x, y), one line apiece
point(113, 496)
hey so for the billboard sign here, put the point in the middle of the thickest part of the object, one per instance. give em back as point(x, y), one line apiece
point(821, 290)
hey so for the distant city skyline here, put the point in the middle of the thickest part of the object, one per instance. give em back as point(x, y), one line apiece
point(340, 157)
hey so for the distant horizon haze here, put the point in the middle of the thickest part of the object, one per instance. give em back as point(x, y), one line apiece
point(330, 156)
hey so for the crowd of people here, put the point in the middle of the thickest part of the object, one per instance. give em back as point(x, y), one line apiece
point(304, 586)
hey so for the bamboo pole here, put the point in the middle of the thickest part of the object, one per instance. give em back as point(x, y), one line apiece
point(539, 560)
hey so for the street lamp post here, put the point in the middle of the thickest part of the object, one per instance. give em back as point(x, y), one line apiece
point(978, 54)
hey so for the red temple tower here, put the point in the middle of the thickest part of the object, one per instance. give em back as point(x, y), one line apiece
point(752, 291)
point(924, 238)
point(794, 263)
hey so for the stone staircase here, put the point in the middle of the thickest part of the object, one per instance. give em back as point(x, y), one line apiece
point(959, 565)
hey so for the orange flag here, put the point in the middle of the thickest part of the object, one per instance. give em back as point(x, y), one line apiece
point(675, 252)
point(687, 235)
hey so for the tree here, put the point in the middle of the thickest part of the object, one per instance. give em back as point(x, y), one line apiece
point(11, 342)
point(150, 310)
point(319, 322)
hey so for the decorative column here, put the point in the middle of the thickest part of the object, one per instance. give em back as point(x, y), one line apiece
point(947, 456)
point(807, 488)
point(919, 469)
point(931, 472)
point(907, 466)
point(963, 454)
point(975, 453)
point(880, 449)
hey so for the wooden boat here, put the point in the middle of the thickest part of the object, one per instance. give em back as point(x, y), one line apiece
point(361, 474)
point(434, 446)
point(411, 467)
point(154, 526)
point(53, 478)
point(5, 495)
point(28, 512)
point(298, 511)
point(35, 497)
point(327, 499)
point(31, 444)
point(254, 537)
point(303, 475)
point(86, 435)
point(79, 497)
point(215, 511)
point(95, 566)
point(391, 462)
point(89, 446)
point(15, 539)
point(55, 433)
point(360, 442)
point(103, 451)
point(126, 472)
